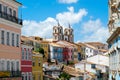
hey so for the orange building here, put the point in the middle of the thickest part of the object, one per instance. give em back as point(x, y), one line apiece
point(10, 32)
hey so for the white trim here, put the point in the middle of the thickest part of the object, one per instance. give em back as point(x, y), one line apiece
point(10, 23)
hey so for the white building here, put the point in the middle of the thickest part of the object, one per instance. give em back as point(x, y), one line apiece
point(94, 65)
point(114, 39)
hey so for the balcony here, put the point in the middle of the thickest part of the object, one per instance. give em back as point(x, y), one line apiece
point(10, 18)
point(9, 74)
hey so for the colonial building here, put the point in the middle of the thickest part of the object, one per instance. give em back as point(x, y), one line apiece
point(37, 63)
point(55, 52)
point(26, 58)
point(114, 39)
point(67, 35)
point(10, 32)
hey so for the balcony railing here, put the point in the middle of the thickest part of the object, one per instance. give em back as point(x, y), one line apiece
point(10, 18)
point(6, 74)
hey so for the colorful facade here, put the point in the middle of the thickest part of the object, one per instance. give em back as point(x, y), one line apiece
point(26, 59)
point(10, 32)
point(56, 52)
point(45, 45)
point(37, 69)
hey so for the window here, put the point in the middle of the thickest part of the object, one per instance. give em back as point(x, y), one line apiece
point(22, 53)
point(8, 65)
point(29, 54)
point(14, 13)
point(3, 65)
point(2, 37)
point(17, 40)
point(33, 63)
point(13, 39)
point(17, 65)
point(10, 11)
point(39, 64)
point(5, 9)
point(93, 66)
point(0, 7)
point(8, 38)
point(26, 54)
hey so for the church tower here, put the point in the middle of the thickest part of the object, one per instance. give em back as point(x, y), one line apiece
point(58, 32)
point(68, 34)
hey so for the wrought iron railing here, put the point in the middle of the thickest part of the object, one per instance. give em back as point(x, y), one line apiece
point(10, 18)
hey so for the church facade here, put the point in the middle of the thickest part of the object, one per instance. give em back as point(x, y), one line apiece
point(63, 34)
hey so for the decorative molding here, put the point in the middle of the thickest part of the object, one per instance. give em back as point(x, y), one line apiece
point(9, 23)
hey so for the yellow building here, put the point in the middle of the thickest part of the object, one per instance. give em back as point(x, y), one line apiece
point(37, 62)
point(45, 46)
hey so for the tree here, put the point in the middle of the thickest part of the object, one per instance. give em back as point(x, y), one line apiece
point(41, 50)
point(64, 76)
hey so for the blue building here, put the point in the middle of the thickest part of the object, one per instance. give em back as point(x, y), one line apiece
point(56, 52)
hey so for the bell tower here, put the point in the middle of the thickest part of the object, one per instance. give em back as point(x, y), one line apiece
point(68, 34)
point(58, 32)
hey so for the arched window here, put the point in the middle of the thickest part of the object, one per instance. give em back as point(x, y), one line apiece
point(55, 31)
point(8, 65)
point(17, 65)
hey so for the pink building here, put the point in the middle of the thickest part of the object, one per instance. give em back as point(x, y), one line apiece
point(10, 32)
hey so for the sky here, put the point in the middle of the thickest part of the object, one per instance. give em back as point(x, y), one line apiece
point(88, 18)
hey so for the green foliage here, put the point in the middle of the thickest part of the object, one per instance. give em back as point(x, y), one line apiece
point(64, 76)
point(41, 50)
point(70, 63)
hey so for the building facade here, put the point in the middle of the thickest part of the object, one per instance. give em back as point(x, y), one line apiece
point(55, 52)
point(66, 35)
point(45, 45)
point(37, 66)
point(114, 39)
point(10, 32)
point(26, 62)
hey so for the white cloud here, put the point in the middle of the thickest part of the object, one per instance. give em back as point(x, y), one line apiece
point(44, 28)
point(24, 7)
point(71, 16)
point(68, 1)
point(93, 30)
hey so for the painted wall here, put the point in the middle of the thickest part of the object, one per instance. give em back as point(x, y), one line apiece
point(37, 70)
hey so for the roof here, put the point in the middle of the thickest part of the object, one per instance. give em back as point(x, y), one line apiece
point(73, 71)
point(81, 44)
point(94, 43)
point(103, 50)
point(18, 2)
point(90, 46)
point(83, 61)
point(67, 44)
point(56, 44)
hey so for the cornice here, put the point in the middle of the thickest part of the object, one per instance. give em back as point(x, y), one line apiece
point(9, 23)
point(12, 3)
